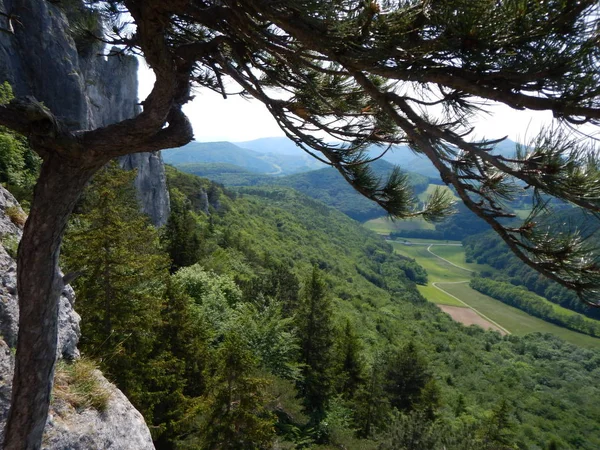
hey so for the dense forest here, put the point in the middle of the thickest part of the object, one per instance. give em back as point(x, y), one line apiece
point(261, 318)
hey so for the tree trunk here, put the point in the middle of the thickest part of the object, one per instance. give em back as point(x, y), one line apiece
point(39, 286)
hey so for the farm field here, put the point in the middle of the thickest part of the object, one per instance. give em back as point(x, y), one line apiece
point(438, 270)
point(513, 319)
point(448, 276)
point(456, 255)
point(438, 297)
point(468, 317)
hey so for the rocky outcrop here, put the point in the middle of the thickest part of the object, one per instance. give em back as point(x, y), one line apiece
point(119, 426)
point(84, 88)
point(150, 183)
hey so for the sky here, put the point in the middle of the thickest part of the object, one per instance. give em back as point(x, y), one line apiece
point(236, 119)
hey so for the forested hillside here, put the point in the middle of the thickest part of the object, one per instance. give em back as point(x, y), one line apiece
point(325, 185)
point(261, 318)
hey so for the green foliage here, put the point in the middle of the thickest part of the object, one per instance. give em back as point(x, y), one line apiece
point(123, 275)
point(215, 295)
point(121, 288)
point(269, 336)
point(232, 415)
point(498, 427)
point(180, 235)
point(10, 242)
point(19, 166)
point(348, 365)
point(406, 377)
point(372, 408)
point(314, 320)
point(449, 385)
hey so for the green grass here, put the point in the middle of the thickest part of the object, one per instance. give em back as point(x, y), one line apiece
point(437, 269)
point(456, 255)
point(513, 319)
point(438, 297)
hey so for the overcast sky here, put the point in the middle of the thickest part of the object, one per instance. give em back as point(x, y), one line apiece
point(236, 119)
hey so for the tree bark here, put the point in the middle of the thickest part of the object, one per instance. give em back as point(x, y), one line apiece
point(39, 285)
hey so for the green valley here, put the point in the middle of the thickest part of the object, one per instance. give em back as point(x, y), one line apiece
point(452, 277)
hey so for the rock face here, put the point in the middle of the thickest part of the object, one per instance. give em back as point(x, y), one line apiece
point(120, 426)
point(150, 182)
point(45, 59)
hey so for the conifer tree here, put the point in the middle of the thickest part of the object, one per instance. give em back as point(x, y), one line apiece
point(232, 414)
point(181, 351)
point(372, 405)
point(349, 365)
point(122, 282)
point(315, 332)
point(181, 234)
point(406, 376)
point(498, 428)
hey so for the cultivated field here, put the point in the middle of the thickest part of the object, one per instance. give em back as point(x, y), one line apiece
point(468, 317)
point(448, 274)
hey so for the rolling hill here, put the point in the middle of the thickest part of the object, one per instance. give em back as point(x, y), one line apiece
point(326, 185)
point(218, 152)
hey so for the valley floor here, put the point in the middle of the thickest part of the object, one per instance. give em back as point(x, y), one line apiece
point(449, 288)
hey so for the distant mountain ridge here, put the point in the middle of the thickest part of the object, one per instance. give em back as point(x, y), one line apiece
point(218, 152)
point(281, 156)
point(275, 156)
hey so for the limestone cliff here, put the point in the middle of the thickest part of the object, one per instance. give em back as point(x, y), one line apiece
point(120, 426)
point(45, 59)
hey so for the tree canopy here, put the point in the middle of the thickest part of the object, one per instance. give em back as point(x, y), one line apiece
point(362, 72)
